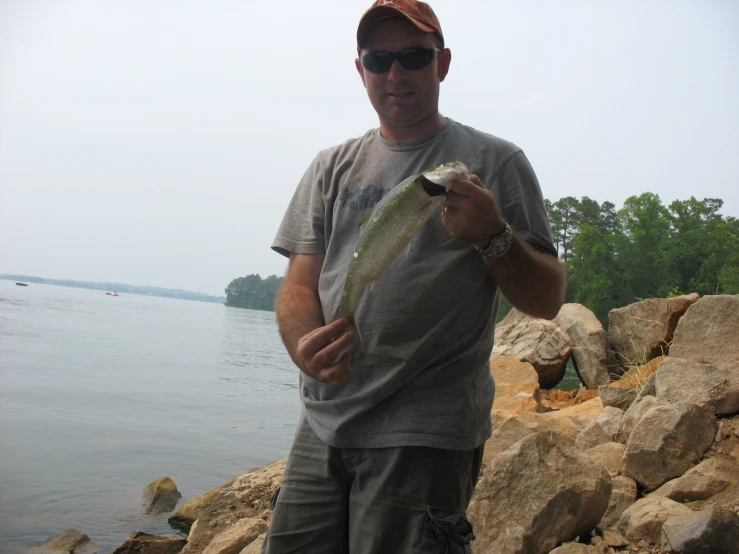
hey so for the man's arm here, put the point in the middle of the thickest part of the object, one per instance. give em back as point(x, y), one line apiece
point(531, 279)
point(311, 343)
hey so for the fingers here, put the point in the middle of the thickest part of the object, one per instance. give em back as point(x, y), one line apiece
point(338, 374)
point(320, 338)
point(320, 349)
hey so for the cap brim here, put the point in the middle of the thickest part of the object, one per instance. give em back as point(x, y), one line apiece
point(373, 15)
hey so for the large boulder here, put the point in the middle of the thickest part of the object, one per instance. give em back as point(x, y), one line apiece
point(643, 520)
point(603, 430)
point(542, 343)
point(237, 537)
point(537, 494)
point(713, 530)
point(667, 441)
point(609, 455)
point(248, 497)
point(517, 387)
point(634, 414)
point(161, 496)
point(588, 339)
point(708, 332)
point(680, 380)
point(642, 331)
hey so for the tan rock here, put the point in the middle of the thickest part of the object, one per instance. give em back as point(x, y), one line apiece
point(542, 343)
point(633, 415)
point(713, 529)
point(709, 332)
point(236, 537)
point(666, 441)
point(609, 455)
point(716, 387)
point(70, 541)
point(698, 483)
point(644, 519)
point(190, 511)
point(516, 387)
point(642, 331)
point(574, 548)
point(623, 495)
point(151, 546)
point(588, 339)
point(247, 497)
point(256, 546)
point(537, 494)
point(603, 430)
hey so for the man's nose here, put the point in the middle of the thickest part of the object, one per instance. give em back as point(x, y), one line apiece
point(397, 71)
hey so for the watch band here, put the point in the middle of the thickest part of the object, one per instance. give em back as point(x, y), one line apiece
point(499, 244)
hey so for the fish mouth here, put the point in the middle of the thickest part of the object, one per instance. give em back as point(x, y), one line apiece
point(431, 188)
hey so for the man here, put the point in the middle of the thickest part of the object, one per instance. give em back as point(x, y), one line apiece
point(388, 450)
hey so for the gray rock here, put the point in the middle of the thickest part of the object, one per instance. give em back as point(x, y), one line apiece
point(644, 519)
point(623, 495)
point(609, 455)
point(603, 430)
point(666, 442)
point(641, 331)
point(649, 388)
point(708, 332)
point(147, 545)
point(70, 541)
point(634, 414)
point(539, 493)
point(713, 530)
point(542, 343)
point(574, 548)
point(588, 339)
point(698, 483)
point(680, 380)
point(618, 397)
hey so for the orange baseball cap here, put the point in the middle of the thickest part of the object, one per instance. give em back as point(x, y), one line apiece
point(418, 13)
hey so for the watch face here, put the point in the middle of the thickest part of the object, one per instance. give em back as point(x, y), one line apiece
point(499, 246)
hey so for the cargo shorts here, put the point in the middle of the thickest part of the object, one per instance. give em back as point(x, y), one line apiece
point(404, 500)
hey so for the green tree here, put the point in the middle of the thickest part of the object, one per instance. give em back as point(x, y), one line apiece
point(254, 293)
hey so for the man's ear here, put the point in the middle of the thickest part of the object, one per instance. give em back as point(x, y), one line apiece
point(445, 60)
point(360, 70)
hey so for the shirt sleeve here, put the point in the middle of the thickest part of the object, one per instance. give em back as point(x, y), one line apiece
point(302, 230)
point(522, 203)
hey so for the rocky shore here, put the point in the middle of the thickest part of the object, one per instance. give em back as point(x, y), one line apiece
point(644, 458)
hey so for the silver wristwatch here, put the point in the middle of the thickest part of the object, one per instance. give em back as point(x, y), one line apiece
point(499, 244)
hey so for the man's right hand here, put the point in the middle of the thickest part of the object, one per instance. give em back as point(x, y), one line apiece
point(318, 350)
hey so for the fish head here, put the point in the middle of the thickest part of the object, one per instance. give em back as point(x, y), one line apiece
point(438, 180)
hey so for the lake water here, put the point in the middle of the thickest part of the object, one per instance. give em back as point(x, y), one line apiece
point(101, 395)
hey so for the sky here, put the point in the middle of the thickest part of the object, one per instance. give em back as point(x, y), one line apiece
point(158, 142)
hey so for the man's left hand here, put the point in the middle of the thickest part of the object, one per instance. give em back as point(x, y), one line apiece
point(471, 212)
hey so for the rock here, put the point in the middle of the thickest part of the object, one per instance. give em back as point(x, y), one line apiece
point(516, 387)
point(635, 413)
point(542, 343)
point(588, 340)
point(708, 332)
point(191, 510)
point(603, 430)
point(236, 537)
point(649, 388)
point(247, 497)
point(613, 539)
point(510, 431)
point(698, 483)
point(644, 519)
point(713, 530)
point(641, 331)
point(537, 494)
point(680, 380)
point(623, 495)
point(609, 455)
point(161, 496)
point(147, 545)
point(666, 441)
point(70, 541)
point(574, 548)
point(618, 397)
point(256, 546)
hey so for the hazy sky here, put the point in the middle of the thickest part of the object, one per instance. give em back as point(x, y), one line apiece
point(158, 142)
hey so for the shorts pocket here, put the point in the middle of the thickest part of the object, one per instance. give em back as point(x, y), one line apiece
point(445, 532)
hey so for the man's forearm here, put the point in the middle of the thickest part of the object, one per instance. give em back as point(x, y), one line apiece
point(298, 312)
point(532, 280)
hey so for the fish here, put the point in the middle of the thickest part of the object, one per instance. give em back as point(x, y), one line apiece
point(388, 229)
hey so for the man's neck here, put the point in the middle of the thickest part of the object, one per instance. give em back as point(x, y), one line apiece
point(415, 132)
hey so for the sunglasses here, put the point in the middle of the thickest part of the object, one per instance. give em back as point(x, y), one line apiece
point(411, 59)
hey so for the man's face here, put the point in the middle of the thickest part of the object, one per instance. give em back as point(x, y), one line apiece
point(402, 97)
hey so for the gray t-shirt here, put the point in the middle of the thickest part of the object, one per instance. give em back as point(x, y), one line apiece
point(427, 325)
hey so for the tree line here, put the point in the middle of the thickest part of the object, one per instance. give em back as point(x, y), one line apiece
point(253, 292)
point(646, 249)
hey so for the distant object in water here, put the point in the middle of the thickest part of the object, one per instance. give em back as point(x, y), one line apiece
point(21, 284)
point(112, 293)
